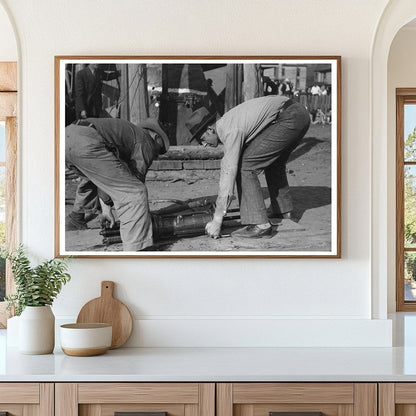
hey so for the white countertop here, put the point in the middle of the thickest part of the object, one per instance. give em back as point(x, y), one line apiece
point(215, 364)
point(222, 364)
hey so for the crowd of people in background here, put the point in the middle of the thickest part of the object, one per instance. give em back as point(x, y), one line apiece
point(315, 98)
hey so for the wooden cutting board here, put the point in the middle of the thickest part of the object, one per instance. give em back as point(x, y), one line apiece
point(107, 309)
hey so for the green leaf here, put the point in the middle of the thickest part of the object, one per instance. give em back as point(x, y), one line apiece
point(35, 286)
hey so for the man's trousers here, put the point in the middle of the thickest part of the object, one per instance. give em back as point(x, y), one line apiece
point(269, 152)
point(86, 150)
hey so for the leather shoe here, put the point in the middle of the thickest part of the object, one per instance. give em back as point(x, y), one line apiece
point(253, 231)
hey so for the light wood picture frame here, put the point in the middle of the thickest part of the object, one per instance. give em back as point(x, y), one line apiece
point(241, 99)
point(405, 173)
point(8, 116)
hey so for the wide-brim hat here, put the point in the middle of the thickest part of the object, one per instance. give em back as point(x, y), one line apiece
point(199, 121)
point(154, 125)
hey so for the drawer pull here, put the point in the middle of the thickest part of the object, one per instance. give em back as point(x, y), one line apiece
point(140, 414)
point(295, 414)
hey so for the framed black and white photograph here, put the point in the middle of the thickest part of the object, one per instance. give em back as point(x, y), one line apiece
point(198, 156)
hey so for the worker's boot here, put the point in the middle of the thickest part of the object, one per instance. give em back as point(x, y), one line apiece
point(75, 221)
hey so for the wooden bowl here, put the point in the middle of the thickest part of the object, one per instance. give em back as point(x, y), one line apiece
point(84, 340)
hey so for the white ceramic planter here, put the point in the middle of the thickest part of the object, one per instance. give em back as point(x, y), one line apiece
point(37, 330)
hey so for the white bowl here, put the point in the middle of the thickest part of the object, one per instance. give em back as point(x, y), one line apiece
point(84, 340)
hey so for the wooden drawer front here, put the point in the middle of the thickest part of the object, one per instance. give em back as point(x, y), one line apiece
point(104, 399)
point(19, 393)
point(331, 399)
point(405, 393)
point(27, 399)
point(342, 393)
point(138, 393)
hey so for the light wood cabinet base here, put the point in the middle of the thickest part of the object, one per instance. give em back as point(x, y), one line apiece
point(208, 399)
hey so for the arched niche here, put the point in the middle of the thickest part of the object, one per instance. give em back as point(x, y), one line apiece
point(396, 15)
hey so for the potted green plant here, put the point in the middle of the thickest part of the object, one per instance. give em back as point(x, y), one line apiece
point(36, 289)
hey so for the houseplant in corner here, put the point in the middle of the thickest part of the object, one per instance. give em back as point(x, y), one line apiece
point(36, 289)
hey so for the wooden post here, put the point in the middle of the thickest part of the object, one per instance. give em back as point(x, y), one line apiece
point(252, 86)
point(163, 112)
point(138, 95)
point(124, 93)
point(233, 86)
point(168, 111)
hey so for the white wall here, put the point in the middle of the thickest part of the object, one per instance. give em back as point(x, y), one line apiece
point(202, 302)
point(8, 46)
point(401, 74)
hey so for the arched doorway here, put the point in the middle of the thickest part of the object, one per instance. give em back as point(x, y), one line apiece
point(396, 15)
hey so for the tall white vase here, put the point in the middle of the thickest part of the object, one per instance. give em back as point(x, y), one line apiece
point(37, 330)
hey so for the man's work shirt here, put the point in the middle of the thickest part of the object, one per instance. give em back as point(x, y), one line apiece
point(237, 127)
point(128, 142)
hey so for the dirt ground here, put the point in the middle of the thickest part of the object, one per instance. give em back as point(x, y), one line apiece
point(309, 175)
